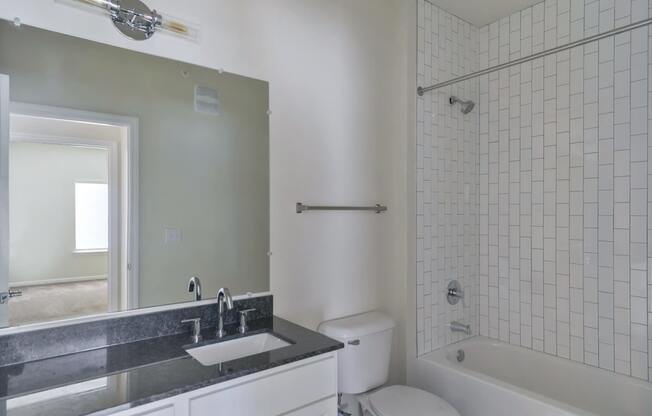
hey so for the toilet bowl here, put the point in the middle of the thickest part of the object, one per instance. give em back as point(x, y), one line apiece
point(400, 400)
point(363, 365)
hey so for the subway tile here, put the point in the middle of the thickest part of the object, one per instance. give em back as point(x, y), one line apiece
point(638, 121)
point(621, 215)
point(638, 66)
point(638, 145)
point(621, 347)
point(639, 365)
point(622, 321)
point(621, 294)
point(639, 8)
point(639, 93)
point(638, 310)
point(638, 283)
point(620, 108)
point(621, 57)
point(621, 188)
point(591, 14)
point(622, 83)
point(639, 40)
point(638, 229)
point(639, 338)
point(606, 333)
point(638, 202)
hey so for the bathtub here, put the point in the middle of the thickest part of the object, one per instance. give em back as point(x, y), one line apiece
point(497, 379)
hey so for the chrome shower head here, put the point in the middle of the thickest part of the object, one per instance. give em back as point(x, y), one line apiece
point(467, 106)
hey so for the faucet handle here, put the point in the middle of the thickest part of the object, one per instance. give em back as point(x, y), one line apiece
point(243, 320)
point(454, 292)
point(196, 329)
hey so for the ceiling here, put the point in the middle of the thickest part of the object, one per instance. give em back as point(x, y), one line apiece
point(482, 12)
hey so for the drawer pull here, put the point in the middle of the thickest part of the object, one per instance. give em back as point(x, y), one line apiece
point(354, 342)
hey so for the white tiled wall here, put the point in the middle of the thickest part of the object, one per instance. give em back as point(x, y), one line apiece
point(564, 184)
point(447, 184)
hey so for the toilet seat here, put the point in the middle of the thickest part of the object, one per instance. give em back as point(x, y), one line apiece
point(408, 401)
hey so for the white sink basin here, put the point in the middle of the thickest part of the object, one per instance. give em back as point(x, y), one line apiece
point(241, 347)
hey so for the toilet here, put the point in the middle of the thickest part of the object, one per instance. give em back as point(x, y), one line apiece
point(363, 365)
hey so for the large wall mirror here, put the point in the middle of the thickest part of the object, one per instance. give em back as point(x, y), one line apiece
point(125, 175)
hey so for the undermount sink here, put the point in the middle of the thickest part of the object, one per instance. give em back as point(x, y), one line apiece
point(237, 348)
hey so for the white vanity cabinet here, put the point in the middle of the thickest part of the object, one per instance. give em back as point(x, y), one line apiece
point(303, 388)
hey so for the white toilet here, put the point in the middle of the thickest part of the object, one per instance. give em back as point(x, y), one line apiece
point(363, 365)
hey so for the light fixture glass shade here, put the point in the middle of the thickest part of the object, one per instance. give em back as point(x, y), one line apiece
point(137, 21)
point(179, 27)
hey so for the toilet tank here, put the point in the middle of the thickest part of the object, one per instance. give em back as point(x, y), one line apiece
point(363, 364)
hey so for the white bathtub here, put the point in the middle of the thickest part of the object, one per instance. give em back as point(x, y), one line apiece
point(497, 379)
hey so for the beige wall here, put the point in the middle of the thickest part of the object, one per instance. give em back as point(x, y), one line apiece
point(207, 176)
point(42, 211)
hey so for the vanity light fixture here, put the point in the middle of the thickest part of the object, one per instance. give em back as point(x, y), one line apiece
point(136, 20)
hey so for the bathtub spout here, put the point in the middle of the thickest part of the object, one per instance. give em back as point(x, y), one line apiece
point(460, 327)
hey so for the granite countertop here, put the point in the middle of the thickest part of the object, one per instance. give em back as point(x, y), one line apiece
point(105, 380)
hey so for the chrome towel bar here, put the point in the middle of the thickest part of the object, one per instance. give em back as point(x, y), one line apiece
point(376, 208)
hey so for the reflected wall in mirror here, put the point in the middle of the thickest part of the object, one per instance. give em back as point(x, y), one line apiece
point(127, 175)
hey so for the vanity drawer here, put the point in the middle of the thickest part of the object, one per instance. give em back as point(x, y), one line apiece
point(326, 407)
point(272, 394)
point(154, 409)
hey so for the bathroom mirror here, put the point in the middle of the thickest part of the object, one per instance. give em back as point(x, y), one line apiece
point(127, 175)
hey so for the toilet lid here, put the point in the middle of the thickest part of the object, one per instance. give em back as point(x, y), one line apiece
point(404, 401)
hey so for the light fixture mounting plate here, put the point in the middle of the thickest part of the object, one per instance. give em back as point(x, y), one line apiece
point(134, 19)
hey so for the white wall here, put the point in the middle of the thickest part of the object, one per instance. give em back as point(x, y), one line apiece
point(338, 102)
point(337, 73)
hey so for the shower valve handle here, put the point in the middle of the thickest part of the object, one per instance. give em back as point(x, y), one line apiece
point(454, 292)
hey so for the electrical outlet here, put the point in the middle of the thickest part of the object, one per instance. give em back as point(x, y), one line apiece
point(172, 235)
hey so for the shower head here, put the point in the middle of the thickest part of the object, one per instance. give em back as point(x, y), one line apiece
point(467, 106)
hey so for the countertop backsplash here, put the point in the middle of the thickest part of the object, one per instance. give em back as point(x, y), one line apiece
point(52, 342)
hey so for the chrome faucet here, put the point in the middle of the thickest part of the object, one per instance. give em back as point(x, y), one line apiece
point(223, 297)
point(194, 285)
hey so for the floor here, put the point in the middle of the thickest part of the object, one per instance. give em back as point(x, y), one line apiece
point(351, 405)
point(55, 302)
